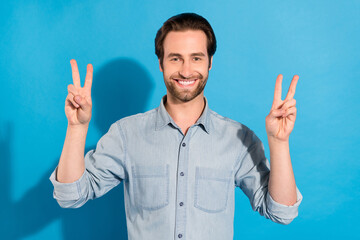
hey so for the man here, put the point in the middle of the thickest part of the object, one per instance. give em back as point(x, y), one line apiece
point(180, 162)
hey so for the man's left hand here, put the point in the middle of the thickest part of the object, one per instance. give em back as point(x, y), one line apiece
point(281, 119)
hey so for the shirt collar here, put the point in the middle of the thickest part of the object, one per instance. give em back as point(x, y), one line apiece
point(163, 118)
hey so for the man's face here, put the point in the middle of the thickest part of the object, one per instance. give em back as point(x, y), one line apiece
point(185, 64)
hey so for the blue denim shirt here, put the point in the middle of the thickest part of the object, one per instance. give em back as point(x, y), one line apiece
point(178, 186)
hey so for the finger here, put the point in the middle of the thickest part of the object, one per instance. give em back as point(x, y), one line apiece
point(75, 73)
point(275, 113)
point(290, 111)
point(277, 93)
point(70, 98)
point(84, 105)
point(292, 88)
point(88, 78)
point(288, 104)
point(68, 104)
point(72, 89)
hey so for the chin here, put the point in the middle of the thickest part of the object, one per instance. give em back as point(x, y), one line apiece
point(187, 97)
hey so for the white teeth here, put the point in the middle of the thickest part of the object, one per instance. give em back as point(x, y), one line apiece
point(185, 83)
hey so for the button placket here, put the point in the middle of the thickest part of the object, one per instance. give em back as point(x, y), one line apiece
point(181, 192)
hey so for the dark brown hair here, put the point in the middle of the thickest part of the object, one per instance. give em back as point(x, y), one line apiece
point(182, 22)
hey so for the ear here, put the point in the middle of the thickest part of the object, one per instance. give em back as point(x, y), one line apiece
point(161, 70)
point(210, 63)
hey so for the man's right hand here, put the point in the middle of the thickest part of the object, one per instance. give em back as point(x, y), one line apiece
point(78, 102)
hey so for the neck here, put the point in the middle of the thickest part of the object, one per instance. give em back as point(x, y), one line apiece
point(185, 114)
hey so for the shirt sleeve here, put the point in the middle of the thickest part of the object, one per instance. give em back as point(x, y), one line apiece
point(104, 169)
point(253, 177)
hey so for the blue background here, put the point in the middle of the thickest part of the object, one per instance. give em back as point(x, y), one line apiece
point(257, 40)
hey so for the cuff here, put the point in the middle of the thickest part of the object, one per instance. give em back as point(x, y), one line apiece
point(68, 191)
point(283, 211)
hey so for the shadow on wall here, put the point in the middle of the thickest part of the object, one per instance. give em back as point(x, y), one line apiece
point(121, 88)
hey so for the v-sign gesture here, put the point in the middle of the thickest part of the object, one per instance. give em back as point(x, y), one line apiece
point(281, 119)
point(78, 102)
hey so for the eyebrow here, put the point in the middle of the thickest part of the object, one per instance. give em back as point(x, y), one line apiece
point(201, 54)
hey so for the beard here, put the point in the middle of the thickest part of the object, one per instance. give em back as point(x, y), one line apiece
point(186, 95)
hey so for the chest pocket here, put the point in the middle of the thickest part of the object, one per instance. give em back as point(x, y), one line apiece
point(211, 189)
point(151, 186)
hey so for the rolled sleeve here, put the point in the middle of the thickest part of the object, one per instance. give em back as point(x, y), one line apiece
point(282, 213)
point(68, 191)
point(69, 194)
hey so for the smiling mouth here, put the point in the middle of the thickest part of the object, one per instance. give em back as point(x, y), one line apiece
point(185, 83)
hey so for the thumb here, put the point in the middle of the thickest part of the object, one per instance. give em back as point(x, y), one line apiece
point(84, 105)
point(276, 113)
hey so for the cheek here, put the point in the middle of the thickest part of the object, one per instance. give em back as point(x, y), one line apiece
point(204, 69)
point(169, 69)
point(166, 74)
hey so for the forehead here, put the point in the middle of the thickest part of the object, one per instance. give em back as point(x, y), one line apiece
point(185, 42)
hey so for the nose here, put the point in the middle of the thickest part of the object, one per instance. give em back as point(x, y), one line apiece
point(186, 70)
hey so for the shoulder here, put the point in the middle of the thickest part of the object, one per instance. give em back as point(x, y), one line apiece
point(228, 127)
point(225, 122)
point(138, 120)
point(233, 130)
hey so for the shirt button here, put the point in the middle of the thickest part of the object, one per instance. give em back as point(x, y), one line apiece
point(181, 174)
point(181, 203)
point(183, 144)
point(180, 235)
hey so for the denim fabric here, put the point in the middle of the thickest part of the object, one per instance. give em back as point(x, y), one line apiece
point(178, 186)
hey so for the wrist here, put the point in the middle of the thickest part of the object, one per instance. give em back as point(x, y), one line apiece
point(78, 127)
point(277, 141)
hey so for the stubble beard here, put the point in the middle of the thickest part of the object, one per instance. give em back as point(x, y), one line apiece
point(186, 95)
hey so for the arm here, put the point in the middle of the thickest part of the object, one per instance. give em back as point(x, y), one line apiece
point(78, 106)
point(252, 176)
point(282, 185)
point(79, 178)
point(279, 124)
point(71, 164)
